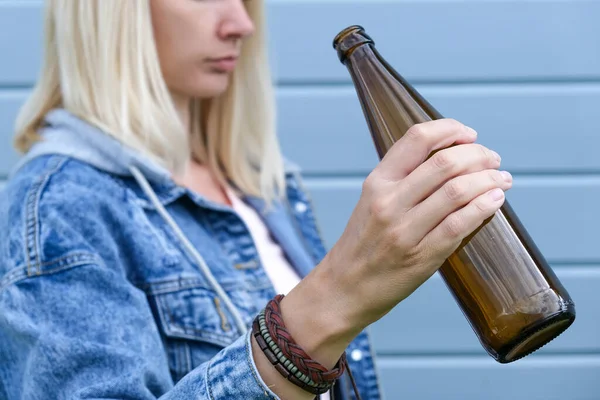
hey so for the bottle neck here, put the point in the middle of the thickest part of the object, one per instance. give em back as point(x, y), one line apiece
point(358, 53)
point(378, 83)
point(387, 101)
point(350, 40)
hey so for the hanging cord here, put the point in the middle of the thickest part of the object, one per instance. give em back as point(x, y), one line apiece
point(190, 249)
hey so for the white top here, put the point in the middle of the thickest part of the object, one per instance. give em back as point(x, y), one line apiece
point(279, 270)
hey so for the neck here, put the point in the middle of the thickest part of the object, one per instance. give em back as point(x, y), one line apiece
point(182, 105)
point(198, 177)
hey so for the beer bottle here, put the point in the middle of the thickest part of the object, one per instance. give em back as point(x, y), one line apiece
point(510, 296)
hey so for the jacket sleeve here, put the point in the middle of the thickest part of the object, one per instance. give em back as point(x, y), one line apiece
point(82, 331)
point(72, 325)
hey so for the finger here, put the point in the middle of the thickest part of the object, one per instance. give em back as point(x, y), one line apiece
point(443, 166)
point(458, 225)
point(419, 142)
point(453, 195)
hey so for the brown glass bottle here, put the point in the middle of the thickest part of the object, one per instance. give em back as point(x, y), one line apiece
point(509, 294)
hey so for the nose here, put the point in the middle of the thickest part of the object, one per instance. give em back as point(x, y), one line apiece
point(237, 23)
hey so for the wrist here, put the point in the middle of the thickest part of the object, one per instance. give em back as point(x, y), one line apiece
point(317, 317)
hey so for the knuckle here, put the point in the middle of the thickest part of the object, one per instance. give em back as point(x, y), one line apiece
point(456, 125)
point(454, 226)
point(454, 190)
point(380, 209)
point(399, 241)
point(496, 177)
point(373, 185)
point(416, 132)
point(487, 155)
point(442, 160)
point(403, 242)
point(483, 207)
point(369, 185)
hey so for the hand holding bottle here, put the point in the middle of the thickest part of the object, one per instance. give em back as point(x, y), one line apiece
point(412, 214)
point(434, 202)
point(501, 281)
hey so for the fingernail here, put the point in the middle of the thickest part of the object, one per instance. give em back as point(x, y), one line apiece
point(497, 194)
point(496, 155)
point(472, 131)
point(506, 176)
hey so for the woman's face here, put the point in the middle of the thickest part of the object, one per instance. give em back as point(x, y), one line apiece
point(198, 43)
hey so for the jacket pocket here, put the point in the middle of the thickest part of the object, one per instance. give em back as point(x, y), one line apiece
point(193, 322)
point(195, 313)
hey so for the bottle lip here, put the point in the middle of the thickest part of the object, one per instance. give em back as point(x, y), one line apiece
point(350, 39)
point(345, 32)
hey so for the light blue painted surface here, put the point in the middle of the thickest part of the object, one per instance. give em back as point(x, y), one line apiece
point(433, 40)
point(10, 101)
point(573, 377)
point(535, 127)
point(314, 121)
point(430, 40)
point(439, 328)
point(560, 212)
point(525, 74)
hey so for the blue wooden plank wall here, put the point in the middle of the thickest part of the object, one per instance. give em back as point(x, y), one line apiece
point(525, 74)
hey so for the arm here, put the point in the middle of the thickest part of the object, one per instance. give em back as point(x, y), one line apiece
point(72, 325)
point(84, 331)
point(80, 330)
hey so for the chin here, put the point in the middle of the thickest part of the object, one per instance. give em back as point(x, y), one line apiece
point(213, 85)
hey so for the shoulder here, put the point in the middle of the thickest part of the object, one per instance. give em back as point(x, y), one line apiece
point(56, 184)
point(56, 211)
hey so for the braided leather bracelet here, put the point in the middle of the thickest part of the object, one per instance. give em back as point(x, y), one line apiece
point(291, 360)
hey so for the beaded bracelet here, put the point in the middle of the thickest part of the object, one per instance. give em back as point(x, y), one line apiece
point(289, 359)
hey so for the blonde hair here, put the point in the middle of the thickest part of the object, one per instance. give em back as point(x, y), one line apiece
point(101, 64)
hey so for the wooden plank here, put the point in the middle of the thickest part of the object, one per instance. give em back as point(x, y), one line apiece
point(478, 378)
point(427, 40)
point(560, 212)
point(536, 128)
point(429, 321)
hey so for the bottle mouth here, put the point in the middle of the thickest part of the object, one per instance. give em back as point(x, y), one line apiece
point(350, 39)
point(345, 32)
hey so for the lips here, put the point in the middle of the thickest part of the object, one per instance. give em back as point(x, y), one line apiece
point(225, 64)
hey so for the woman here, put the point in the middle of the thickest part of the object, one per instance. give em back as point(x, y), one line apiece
point(152, 218)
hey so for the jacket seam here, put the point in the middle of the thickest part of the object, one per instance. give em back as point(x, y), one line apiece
point(158, 288)
point(207, 379)
point(188, 356)
point(58, 265)
point(32, 249)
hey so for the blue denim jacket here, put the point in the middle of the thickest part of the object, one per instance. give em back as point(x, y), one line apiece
point(117, 283)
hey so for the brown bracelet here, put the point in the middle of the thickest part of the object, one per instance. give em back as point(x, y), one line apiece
point(291, 360)
point(285, 367)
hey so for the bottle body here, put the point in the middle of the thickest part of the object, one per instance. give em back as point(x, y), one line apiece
point(512, 299)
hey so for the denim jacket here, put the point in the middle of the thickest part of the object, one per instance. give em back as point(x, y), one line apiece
point(115, 282)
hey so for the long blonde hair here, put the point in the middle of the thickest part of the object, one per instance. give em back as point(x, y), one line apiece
point(101, 64)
